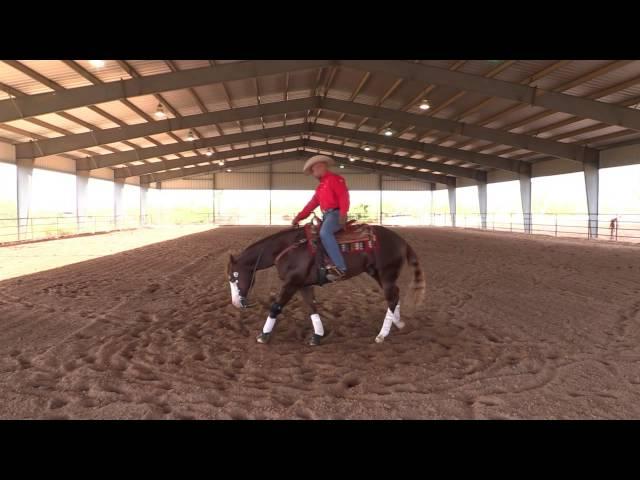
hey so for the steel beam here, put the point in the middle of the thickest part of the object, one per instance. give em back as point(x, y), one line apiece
point(135, 170)
point(40, 104)
point(396, 172)
point(483, 159)
point(559, 102)
point(111, 159)
point(52, 146)
point(471, 173)
point(247, 162)
point(557, 149)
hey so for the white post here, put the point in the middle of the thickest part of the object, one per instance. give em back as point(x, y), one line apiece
point(525, 197)
point(144, 190)
point(482, 201)
point(591, 182)
point(82, 189)
point(452, 203)
point(24, 176)
point(118, 202)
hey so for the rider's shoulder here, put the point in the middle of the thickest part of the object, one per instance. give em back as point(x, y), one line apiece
point(335, 177)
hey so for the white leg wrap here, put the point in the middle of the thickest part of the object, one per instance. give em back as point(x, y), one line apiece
point(396, 317)
point(268, 325)
point(386, 326)
point(317, 324)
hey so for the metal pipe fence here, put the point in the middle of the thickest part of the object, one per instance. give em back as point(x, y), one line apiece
point(621, 227)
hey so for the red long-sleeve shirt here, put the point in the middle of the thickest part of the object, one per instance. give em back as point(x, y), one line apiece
point(331, 192)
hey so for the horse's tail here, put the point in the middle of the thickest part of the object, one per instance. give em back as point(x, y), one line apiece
point(418, 283)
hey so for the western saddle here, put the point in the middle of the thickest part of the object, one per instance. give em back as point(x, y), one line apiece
point(353, 238)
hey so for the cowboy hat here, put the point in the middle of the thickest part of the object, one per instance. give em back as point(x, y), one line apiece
point(317, 159)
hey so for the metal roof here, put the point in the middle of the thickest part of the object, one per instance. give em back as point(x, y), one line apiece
point(390, 85)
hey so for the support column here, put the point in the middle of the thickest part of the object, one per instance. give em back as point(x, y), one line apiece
point(118, 203)
point(144, 191)
point(482, 202)
point(452, 202)
point(591, 182)
point(82, 198)
point(24, 176)
point(380, 195)
point(270, 187)
point(433, 188)
point(213, 218)
point(525, 198)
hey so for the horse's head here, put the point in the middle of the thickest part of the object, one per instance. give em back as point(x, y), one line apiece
point(239, 276)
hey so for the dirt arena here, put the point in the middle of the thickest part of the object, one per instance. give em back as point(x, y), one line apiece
point(512, 327)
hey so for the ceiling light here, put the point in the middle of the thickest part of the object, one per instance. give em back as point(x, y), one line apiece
point(341, 166)
point(366, 148)
point(228, 169)
point(160, 112)
point(425, 105)
point(97, 63)
point(221, 163)
point(352, 159)
point(388, 132)
point(209, 152)
point(191, 136)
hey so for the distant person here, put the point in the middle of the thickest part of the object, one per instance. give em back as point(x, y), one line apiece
point(332, 195)
point(613, 226)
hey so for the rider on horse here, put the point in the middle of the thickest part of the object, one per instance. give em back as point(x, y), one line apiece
point(332, 196)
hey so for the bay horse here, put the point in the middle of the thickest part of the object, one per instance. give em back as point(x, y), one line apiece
point(297, 268)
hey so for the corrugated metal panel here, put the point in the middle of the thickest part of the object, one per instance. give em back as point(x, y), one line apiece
point(18, 80)
point(569, 72)
point(149, 67)
point(293, 181)
point(394, 184)
point(242, 181)
point(59, 164)
point(299, 181)
point(288, 166)
point(188, 184)
point(111, 72)
point(58, 72)
point(7, 152)
point(104, 173)
point(618, 75)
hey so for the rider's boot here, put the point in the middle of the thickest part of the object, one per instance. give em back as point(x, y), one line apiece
point(335, 274)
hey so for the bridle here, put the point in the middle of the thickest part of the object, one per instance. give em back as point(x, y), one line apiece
point(243, 300)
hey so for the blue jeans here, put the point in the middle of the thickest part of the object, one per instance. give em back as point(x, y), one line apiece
point(330, 225)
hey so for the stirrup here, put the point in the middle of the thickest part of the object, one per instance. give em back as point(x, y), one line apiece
point(334, 273)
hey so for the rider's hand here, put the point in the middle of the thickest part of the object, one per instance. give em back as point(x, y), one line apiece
point(343, 219)
point(295, 221)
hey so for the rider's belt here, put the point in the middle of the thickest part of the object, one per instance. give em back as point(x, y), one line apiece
point(324, 212)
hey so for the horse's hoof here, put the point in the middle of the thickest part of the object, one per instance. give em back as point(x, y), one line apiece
point(263, 337)
point(315, 340)
point(400, 325)
point(379, 339)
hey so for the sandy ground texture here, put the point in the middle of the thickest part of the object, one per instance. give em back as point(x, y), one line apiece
point(21, 259)
point(512, 327)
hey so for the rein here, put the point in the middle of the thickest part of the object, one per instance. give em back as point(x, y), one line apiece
point(253, 274)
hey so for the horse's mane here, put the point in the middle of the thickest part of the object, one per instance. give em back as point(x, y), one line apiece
point(272, 236)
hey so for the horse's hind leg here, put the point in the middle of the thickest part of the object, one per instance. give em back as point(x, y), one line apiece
point(392, 296)
point(318, 328)
point(286, 293)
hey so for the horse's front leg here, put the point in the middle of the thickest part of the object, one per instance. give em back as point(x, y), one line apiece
point(318, 328)
point(286, 293)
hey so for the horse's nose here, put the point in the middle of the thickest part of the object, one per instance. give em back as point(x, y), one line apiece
point(243, 302)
